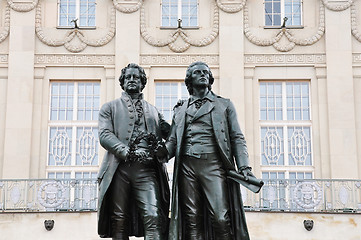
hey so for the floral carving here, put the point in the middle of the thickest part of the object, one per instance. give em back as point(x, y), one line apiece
point(284, 32)
point(338, 7)
point(229, 9)
point(174, 36)
point(354, 30)
point(5, 32)
point(74, 40)
point(124, 9)
point(22, 7)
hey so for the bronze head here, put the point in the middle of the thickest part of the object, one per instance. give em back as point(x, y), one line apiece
point(189, 79)
point(141, 73)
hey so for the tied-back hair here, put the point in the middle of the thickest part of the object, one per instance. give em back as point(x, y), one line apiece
point(188, 78)
point(143, 76)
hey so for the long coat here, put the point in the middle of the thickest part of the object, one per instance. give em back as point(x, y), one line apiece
point(233, 151)
point(116, 125)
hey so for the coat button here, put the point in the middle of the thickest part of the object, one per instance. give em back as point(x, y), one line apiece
point(222, 130)
point(129, 131)
point(130, 124)
point(127, 138)
point(225, 139)
point(227, 149)
point(131, 117)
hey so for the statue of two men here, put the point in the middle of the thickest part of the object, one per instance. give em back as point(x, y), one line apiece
point(207, 143)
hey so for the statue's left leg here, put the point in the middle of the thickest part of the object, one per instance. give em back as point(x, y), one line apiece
point(148, 196)
point(215, 189)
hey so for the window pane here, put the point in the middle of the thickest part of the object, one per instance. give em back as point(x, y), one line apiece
point(87, 146)
point(299, 146)
point(88, 101)
point(167, 95)
point(272, 146)
point(60, 146)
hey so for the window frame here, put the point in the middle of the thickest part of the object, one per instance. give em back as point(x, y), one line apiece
point(283, 13)
point(286, 124)
point(77, 16)
point(179, 13)
point(74, 124)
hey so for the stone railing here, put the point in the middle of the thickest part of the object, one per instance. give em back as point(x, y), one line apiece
point(46, 195)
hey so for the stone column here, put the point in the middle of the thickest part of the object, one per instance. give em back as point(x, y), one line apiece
point(340, 95)
point(19, 106)
point(231, 61)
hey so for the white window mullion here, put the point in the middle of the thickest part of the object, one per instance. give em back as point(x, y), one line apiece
point(77, 10)
point(179, 9)
point(282, 10)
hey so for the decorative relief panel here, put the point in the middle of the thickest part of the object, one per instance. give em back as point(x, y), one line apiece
point(23, 6)
point(72, 59)
point(285, 34)
point(181, 34)
point(254, 59)
point(74, 40)
point(4, 32)
point(149, 59)
point(129, 6)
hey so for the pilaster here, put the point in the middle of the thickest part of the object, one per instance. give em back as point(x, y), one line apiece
point(19, 103)
point(340, 95)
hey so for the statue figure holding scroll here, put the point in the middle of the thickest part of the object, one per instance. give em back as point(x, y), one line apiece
point(210, 159)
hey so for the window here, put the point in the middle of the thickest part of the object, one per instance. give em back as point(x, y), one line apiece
point(73, 132)
point(167, 95)
point(277, 10)
point(285, 119)
point(80, 12)
point(186, 10)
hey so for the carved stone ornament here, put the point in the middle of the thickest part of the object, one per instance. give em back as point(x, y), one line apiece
point(285, 33)
point(4, 33)
point(75, 40)
point(230, 8)
point(49, 224)
point(307, 195)
point(337, 6)
point(23, 6)
point(174, 35)
point(51, 194)
point(308, 224)
point(128, 9)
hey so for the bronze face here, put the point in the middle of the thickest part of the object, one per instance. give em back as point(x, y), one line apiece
point(132, 81)
point(200, 76)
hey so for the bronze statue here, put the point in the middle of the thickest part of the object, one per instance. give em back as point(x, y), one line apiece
point(133, 182)
point(207, 143)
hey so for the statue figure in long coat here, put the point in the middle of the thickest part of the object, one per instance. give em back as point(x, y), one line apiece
point(207, 143)
point(133, 182)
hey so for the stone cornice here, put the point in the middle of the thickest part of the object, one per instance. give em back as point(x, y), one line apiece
point(74, 59)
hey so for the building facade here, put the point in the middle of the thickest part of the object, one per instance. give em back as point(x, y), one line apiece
point(291, 67)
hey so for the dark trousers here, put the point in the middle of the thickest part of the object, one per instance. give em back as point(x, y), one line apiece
point(202, 184)
point(136, 182)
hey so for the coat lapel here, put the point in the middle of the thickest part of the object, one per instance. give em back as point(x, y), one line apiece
point(205, 109)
